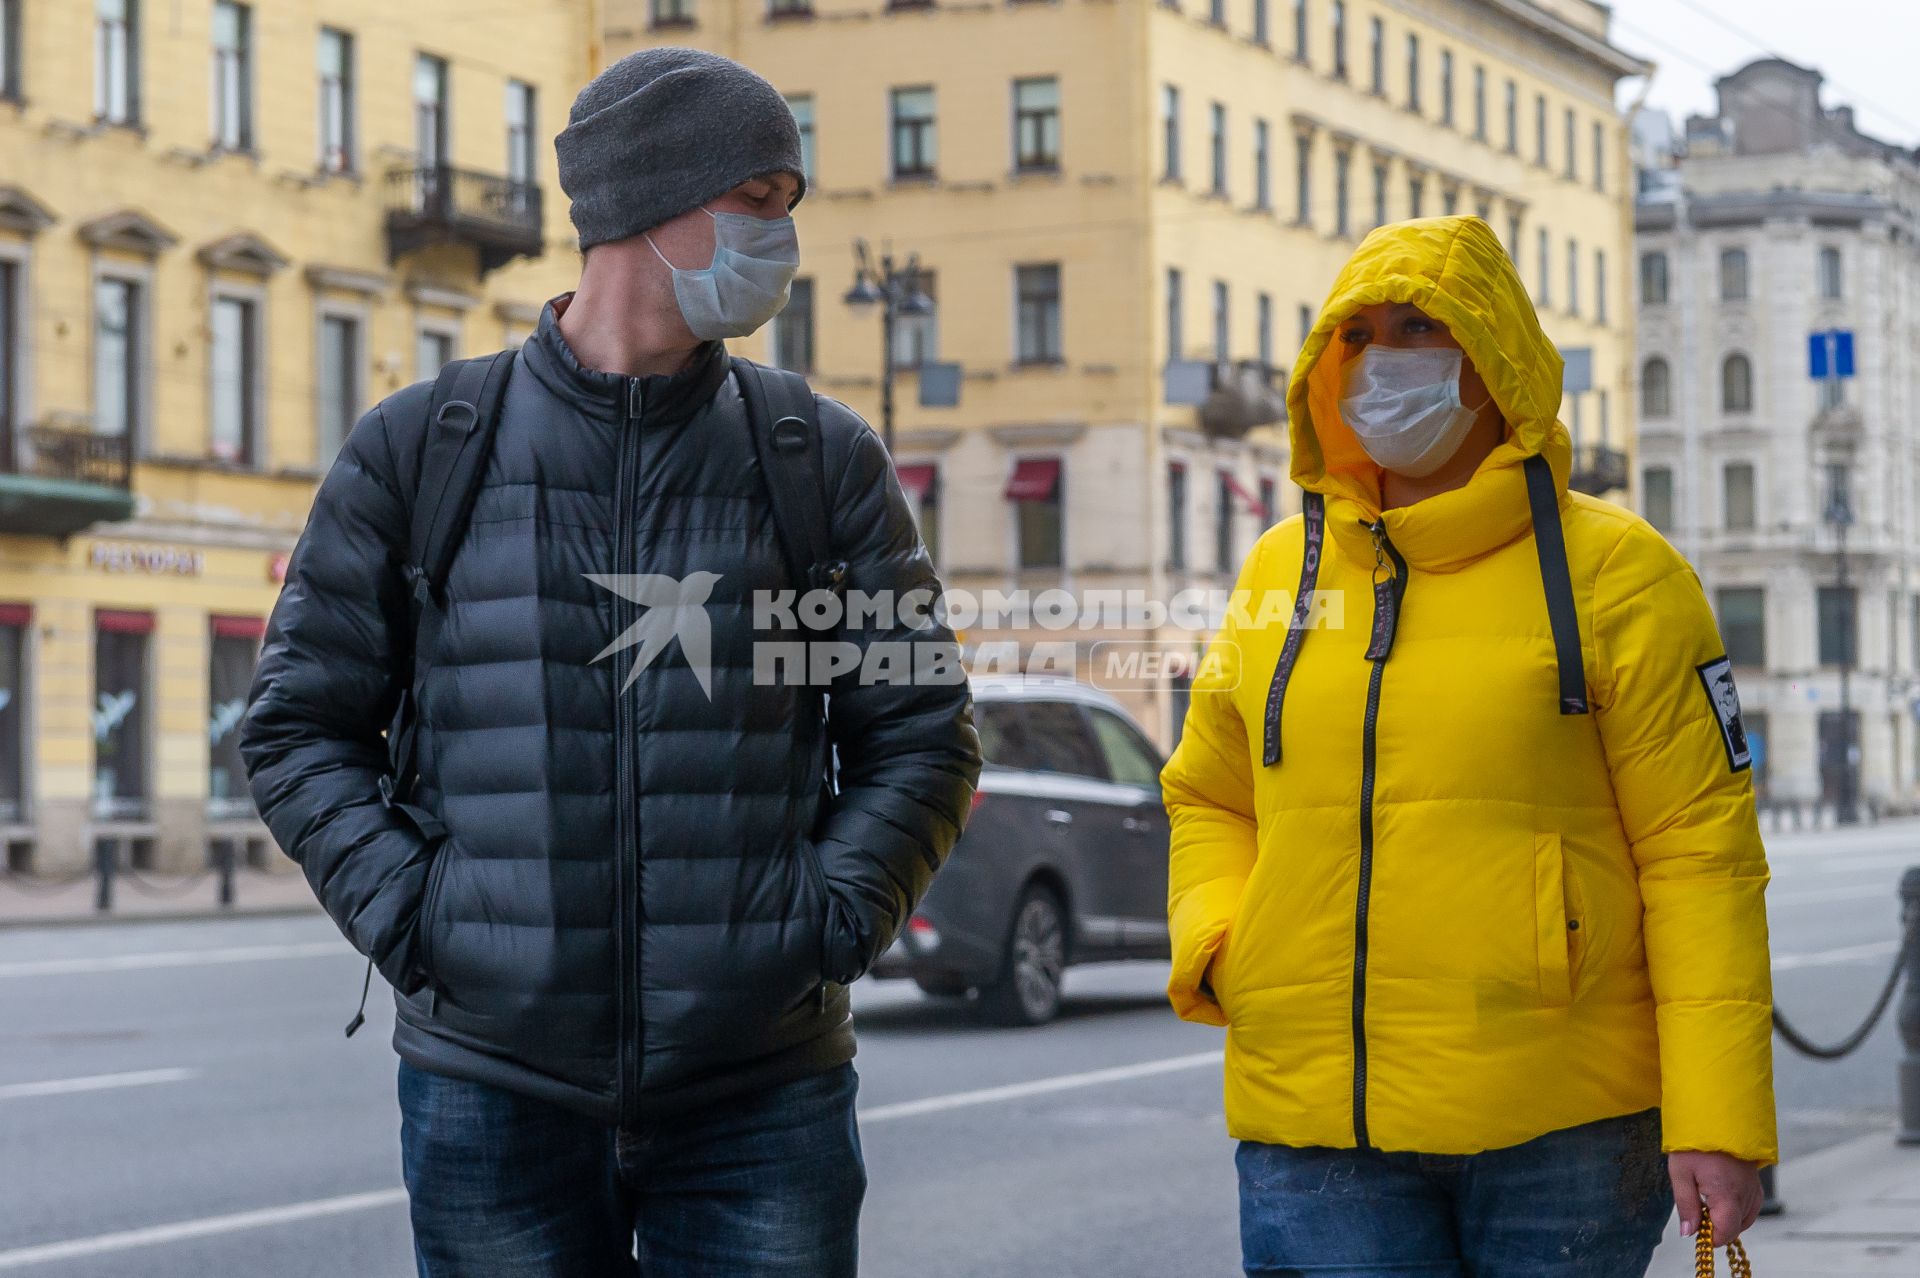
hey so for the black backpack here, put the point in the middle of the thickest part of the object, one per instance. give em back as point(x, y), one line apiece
point(462, 418)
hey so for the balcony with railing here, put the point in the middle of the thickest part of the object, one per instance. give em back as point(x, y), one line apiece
point(1597, 469)
point(59, 476)
point(498, 216)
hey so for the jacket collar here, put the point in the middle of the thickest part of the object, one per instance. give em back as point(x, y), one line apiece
point(669, 399)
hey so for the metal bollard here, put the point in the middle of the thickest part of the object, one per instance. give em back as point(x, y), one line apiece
point(103, 867)
point(1770, 1204)
point(1908, 1018)
point(223, 866)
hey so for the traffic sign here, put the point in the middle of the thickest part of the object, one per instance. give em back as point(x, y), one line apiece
point(1830, 354)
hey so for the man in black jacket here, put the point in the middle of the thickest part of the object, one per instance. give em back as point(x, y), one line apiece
point(621, 971)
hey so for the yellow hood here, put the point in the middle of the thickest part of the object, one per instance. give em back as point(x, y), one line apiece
point(1455, 270)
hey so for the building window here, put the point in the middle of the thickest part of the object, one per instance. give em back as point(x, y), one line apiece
point(336, 101)
point(923, 490)
point(1446, 87)
point(10, 85)
point(1449, 200)
point(1217, 134)
point(1037, 293)
point(1733, 275)
point(1262, 166)
point(118, 321)
point(1036, 123)
point(1830, 278)
point(1513, 237)
point(1379, 192)
point(1600, 286)
point(1306, 323)
point(433, 350)
point(234, 648)
point(1743, 624)
point(1540, 129)
point(1176, 315)
point(913, 133)
point(116, 61)
point(1222, 323)
point(15, 621)
point(1837, 606)
point(1599, 155)
point(1416, 194)
point(1736, 384)
point(1653, 279)
point(1034, 489)
point(793, 329)
point(1263, 326)
point(1546, 268)
point(1573, 277)
point(801, 104)
point(1261, 35)
point(1303, 178)
point(1223, 547)
point(1170, 132)
point(339, 375)
point(120, 714)
point(1737, 496)
point(1176, 515)
point(1269, 501)
point(232, 76)
point(1513, 118)
point(1573, 147)
point(522, 130)
point(916, 338)
point(672, 13)
point(1377, 54)
point(1479, 104)
point(1217, 13)
point(1342, 171)
point(1339, 39)
point(1656, 388)
point(1301, 18)
point(1413, 72)
point(236, 373)
point(10, 406)
point(1656, 497)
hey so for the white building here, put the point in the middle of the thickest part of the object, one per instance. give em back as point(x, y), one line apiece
point(1795, 498)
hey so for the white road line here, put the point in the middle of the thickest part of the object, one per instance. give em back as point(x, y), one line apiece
point(95, 1083)
point(1038, 1087)
point(172, 958)
point(1831, 958)
point(128, 1239)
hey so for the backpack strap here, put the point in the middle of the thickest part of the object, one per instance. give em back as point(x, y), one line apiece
point(462, 418)
point(784, 420)
point(1314, 523)
point(1551, 541)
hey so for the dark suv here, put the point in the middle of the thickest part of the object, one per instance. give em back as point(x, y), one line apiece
point(1064, 859)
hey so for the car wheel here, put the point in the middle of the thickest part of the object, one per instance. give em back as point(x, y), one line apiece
point(942, 984)
point(1034, 963)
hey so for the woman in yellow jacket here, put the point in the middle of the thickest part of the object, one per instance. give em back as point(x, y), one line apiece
point(1464, 847)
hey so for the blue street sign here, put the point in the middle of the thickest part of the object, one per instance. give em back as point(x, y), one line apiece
point(1830, 354)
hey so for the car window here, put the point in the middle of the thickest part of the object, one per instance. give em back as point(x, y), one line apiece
point(1038, 736)
point(1129, 760)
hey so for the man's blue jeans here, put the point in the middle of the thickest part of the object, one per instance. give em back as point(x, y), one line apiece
point(1586, 1202)
point(504, 1186)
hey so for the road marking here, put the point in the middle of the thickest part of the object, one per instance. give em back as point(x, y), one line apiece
point(95, 1083)
point(172, 958)
point(1831, 958)
point(1038, 1087)
point(127, 1239)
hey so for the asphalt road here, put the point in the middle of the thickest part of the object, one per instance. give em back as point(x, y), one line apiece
point(176, 1099)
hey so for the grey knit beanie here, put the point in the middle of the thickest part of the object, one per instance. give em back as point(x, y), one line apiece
point(662, 131)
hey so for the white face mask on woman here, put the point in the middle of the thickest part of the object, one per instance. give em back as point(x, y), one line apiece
point(1404, 405)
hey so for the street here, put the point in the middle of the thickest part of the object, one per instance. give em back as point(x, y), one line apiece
point(177, 1099)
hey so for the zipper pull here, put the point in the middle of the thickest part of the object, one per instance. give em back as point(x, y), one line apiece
point(636, 400)
point(1386, 596)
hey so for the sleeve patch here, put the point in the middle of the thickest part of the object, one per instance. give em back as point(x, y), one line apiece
point(1716, 677)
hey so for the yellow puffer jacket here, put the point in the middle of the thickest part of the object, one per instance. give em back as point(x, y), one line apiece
point(1534, 919)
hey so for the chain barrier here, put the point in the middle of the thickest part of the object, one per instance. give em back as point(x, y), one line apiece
point(150, 887)
point(1807, 1047)
point(42, 884)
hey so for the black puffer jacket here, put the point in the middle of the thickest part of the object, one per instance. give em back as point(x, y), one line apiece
point(645, 898)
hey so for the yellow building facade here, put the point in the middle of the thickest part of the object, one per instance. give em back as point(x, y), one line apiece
point(1128, 212)
point(225, 230)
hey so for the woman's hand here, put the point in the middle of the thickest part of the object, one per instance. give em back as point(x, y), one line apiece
point(1731, 1187)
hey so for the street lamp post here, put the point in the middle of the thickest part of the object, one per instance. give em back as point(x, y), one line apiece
point(1839, 513)
point(897, 289)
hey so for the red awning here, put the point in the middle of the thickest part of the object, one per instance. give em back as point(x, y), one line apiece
point(121, 622)
point(1034, 479)
point(1251, 502)
point(14, 614)
point(239, 627)
point(916, 479)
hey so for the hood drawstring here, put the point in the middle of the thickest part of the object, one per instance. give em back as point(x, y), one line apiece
point(1555, 577)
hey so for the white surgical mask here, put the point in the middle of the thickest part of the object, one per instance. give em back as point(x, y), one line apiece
point(1404, 405)
point(754, 262)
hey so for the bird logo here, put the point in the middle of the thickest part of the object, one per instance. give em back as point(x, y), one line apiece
point(675, 609)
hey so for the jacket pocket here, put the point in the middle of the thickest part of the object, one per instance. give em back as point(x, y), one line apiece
point(429, 899)
point(1552, 935)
